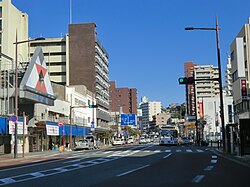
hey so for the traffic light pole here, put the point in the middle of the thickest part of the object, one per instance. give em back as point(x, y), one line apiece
point(192, 80)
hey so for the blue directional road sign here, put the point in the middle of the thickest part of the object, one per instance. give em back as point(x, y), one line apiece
point(128, 119)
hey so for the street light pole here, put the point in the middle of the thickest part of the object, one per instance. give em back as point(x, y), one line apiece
point(216, 29)
point(16, 88)
point(16, 101)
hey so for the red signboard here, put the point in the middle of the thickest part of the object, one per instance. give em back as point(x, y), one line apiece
point(201, 109)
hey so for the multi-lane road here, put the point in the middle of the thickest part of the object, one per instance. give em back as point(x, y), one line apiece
point(136, 165)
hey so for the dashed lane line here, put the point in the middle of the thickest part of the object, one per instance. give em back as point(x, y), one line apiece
point(133, 170)
point(167, 155)
point(198, 178)
point(209, 168)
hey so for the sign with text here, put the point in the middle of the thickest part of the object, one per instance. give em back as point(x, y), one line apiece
point(128, 119)
point(52, 130)
point(19, 128)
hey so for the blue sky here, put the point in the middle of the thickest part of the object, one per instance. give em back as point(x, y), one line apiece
point(145, 39)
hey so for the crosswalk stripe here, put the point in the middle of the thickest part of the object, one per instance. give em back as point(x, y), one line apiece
point(189, 150)
point(178, 150)
point(167, 151)
point(199, 150)
point(157, 151)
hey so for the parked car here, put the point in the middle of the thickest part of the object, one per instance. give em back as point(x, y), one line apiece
point(142, 140)
point(130, 140)
point(118, 142)
point(83, 144)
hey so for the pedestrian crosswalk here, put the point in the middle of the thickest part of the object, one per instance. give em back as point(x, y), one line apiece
point(153, 151)
point(146, 150)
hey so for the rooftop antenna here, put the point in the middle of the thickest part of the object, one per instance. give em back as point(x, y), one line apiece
point(70, 11)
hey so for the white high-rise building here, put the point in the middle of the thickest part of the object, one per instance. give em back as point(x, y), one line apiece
point(205, 88)
point(149, 109)
point(13, 23)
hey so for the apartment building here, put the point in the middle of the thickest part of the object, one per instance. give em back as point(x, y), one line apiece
point(122, 97)
point(240, 60)
point(79, 58)
point(206, 88)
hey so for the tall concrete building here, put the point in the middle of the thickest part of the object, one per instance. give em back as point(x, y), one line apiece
point(79, 59)
point(123, 97)
point(149, 109)
point(190, 100)
point(240, 60)
point(13, 24)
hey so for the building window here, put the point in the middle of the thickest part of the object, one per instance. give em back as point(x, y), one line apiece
point(230, 114)
point(232, 55)
point(235, 76)
point(0, 25)
point(0, 12)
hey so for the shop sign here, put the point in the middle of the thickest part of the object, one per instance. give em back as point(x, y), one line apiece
point(19, 127)
point(52, 130)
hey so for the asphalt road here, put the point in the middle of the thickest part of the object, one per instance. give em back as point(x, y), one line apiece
point(138, 165)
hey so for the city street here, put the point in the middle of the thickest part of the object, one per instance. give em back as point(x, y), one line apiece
point(134, 165)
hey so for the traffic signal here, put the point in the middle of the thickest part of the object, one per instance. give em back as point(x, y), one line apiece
point(93, 106)
point(186, 80)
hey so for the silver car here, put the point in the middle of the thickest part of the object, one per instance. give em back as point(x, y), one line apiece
point(82, 144)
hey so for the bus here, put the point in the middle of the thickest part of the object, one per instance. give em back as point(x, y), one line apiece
point(168, 135)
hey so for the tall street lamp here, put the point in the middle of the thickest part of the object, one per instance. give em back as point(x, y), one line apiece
point(16, 87)
point(216, 29)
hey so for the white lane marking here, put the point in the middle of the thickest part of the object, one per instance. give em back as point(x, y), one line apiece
point(157, 151)
point(147, 151)
point(35, 164)
point(213, 161)
point(214, 156)
point(178, 150)
point(167, 150)
point(57, 170)
point(209, 168)
point(199, 150)
point(133, 170)
point(107, 152)
point(198, 178)
point(189, 150)
point(7, 180)
point(37, 174)
point(167, 155)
